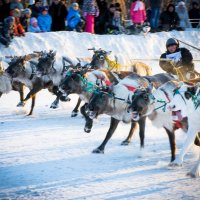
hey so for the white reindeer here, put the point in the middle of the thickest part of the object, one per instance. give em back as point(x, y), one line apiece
point(185, 103)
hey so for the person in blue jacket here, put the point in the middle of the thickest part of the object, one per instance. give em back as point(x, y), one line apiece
point(44, 20)
point(74, 21)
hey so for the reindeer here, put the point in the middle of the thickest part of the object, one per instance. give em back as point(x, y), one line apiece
point(83, 82)
point(185, 104)
point(153, 103)
point(115, 101)
point(7, 83)
point(101, 60)
point(36, 78)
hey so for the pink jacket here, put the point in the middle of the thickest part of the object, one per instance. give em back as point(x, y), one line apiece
point(138, 12)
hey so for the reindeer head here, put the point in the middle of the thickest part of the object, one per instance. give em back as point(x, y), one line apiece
point(185, 100)
point(141, 99)
point(74, 81)
point(99, 58)
point(99, 102)
point(16, 66)
point(46, 62)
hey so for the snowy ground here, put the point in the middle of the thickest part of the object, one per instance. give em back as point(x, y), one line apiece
point(48, 155)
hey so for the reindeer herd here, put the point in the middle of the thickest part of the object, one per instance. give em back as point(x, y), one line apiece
point(127, 96)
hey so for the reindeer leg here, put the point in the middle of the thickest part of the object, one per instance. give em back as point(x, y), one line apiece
point(131, 132)
point(89, 122)
point(142, 124)
point(55, 104)
point(31, 94)
point(21, 92)
point(172, 142)
point(75, 111)
point(113, 125)
point(1, 94)
point(32, 105)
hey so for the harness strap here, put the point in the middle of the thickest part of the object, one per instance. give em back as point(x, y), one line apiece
point(130, 88)
point(178, 124)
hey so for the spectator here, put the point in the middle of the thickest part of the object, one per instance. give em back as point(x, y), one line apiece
point(138, 12)
point(155, 13)
point(58, 12)
point(90, 11)
point(25, 19)
point(74, 21)
point(33, 26)
point(194, 14)
point(109, 16)
point(6, 35)
point(183, 15)
point(18, 28)
point(36, 8)
point(44, 20)
point(100, 21)
point(30, 3)
point(116, 24)
point(16, 4)
point(6, 8)
point(169, 19)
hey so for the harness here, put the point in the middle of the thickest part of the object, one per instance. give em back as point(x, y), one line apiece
point(34, 69)
point(113, 65)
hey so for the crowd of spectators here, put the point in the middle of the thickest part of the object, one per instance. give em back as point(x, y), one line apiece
point(93, 16)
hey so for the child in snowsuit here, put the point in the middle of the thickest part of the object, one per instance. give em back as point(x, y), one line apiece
point(44, 20)
point(33, 26)
point(74, 21)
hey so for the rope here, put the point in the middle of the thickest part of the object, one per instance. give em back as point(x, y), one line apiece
point(113, 65)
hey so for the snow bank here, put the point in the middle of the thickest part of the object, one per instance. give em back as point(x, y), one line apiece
point(126, 47)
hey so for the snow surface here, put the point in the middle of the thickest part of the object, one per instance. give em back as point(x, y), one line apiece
point(48, 155)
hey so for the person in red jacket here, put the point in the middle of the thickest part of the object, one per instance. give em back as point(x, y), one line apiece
point(138, 12)
point(18, 28)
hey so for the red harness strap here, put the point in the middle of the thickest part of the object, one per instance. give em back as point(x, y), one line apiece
point(107, 82)
point(130, 88)
point(102, 78)
point(177, 124)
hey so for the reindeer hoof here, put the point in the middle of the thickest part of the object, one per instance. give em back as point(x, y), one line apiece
point(87, 130)
point(125, 143)
point(21, 104)
point(190, 174)
point(74, 114)
point(54, 106)
point(99, 151)
point(173, 164)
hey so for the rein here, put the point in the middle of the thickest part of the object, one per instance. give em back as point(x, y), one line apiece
point(194, 97)
point(113, 65)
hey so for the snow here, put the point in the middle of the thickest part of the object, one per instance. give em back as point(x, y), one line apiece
point(48, 155)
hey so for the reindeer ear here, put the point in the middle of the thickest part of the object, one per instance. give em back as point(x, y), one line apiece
point(54, 53)
point(108, 52)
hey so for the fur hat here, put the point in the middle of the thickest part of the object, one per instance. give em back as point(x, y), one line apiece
point(27, 11)
point(75, 5)
point(33, 20)
point(181, 3)
point(16, 13)
point(172, 41)
point(9, 20)
point(44, 8)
